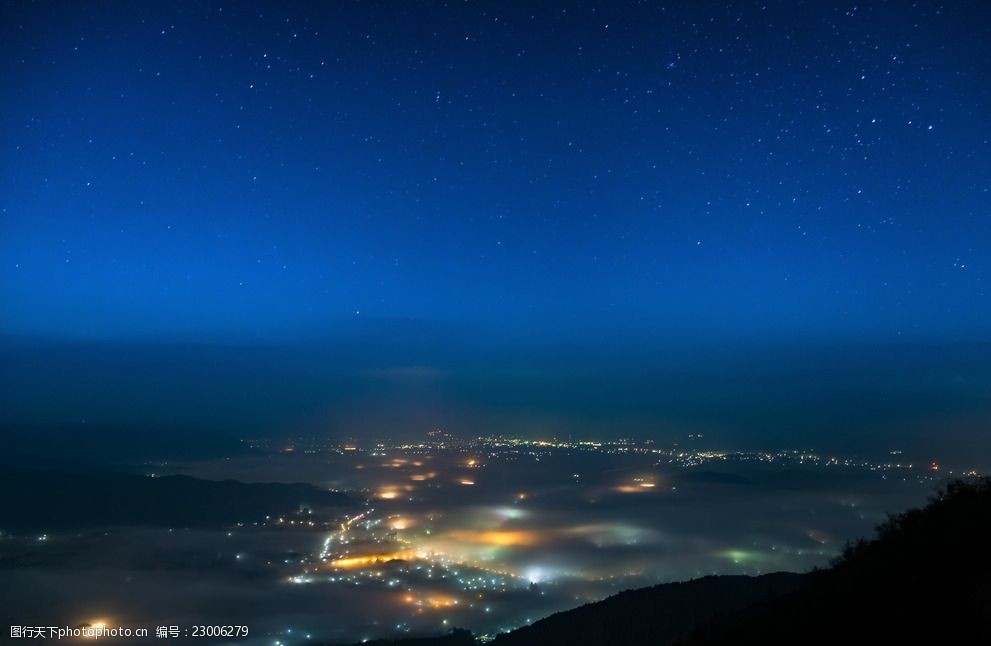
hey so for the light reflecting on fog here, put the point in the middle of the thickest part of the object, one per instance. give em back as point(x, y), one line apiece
point(540, 528)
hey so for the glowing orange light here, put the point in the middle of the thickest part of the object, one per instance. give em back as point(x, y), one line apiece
point(351, 562)
point(499, 538)
point(96, 624)
point(432, 601)
point(399, 523)
point(638, 485)
point(442, 602)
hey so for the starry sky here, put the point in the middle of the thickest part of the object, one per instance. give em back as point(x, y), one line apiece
point(694, 170)
point(288, 215)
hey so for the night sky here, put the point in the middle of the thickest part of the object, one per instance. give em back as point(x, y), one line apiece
point(595, 174)
point(251, 169)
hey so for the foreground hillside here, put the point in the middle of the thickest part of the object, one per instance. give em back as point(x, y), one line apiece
point(661, 614)
point(925, 578)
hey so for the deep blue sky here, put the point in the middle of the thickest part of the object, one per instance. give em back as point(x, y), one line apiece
point(687, 171)
point(770, 222)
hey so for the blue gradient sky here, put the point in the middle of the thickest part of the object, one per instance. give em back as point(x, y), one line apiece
point(770, 222)
point(709, 171)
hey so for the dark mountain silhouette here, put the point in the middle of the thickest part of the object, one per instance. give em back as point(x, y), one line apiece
point(924, 579)
point(86, 446)
point(457, 637)
point(660, 614)
point(45, 500)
